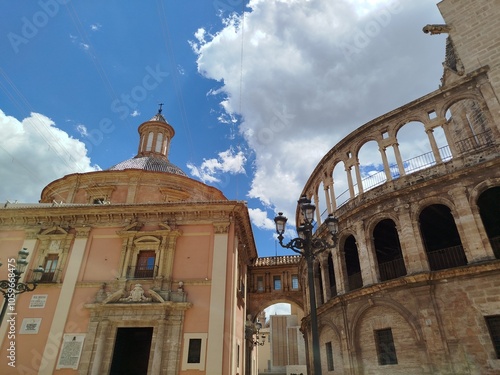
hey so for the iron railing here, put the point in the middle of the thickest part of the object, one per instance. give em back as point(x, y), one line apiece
point(446, 258)
point(355, 281)
point(495, 244)
point(142, 272)
point(392, 269)
point(477, 141)
point(47, 277)
point(412, 165)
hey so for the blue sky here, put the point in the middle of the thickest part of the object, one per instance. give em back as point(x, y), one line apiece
point(256, 98)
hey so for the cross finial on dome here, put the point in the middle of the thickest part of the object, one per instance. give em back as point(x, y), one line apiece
point(159, 109)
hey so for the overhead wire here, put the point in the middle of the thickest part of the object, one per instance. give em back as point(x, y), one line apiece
point(22, 103)
point(174, 69)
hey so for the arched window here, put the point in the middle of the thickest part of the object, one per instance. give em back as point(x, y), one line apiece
point(319, 282)
point(489, 209)
point(159, 141)
point(441, 239)
point(149, 145)
point(331, 276)
point(352, 264)
point(388, 250)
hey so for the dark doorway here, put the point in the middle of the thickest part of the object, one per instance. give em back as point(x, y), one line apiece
point(131, 352)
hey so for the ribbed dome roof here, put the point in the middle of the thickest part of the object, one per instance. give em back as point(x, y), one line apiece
point(148, 163)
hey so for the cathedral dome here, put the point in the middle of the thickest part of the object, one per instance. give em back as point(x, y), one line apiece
point(154, 144)
point(148, 163)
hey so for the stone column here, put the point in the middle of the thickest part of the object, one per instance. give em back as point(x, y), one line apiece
point(399, 160)
point(349, 181)
point(468, 228)
point(339, 270)
point(100, 347)
point(412, 247)
point(158, 348)
point(326, 186)
point(434, 147)
point(387, 168)
point(358, 177)
point(318, 208)
point(366, 255)
point(326, 277)
point(332, 196)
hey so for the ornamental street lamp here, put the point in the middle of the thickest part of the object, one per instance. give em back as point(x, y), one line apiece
point(12, 287)
point(252, 333)
point(308, 246)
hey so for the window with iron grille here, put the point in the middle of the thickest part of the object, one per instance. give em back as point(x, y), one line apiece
point(385, 347)
point(329, 356)
point(50, 268)
point(295, 282)
point(493, 323)
point(145, 264)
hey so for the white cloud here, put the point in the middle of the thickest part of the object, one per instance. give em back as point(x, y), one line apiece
point(260, 220)
point(229, 161)
point(41, 151)
point(82, 129)
point(95, 27)
point(312, 72)
point(278, 309)
point(135, 113)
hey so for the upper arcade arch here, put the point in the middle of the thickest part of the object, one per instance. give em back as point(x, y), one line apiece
point(441, 143)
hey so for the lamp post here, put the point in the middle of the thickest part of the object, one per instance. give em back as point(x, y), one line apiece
point(308, 246)
point(12, 287)
point(252, 329)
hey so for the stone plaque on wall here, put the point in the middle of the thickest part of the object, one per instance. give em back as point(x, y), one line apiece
point(71, 350)
point(38, 301)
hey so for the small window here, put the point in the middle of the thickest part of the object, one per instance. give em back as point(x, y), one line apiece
point(149, 145)
point(493, 323)
point(295, 282)
point(98, 201)
point(385, 347)
point(238, 357)
point(260, 283)
point(194, 351)
point(329, 356)
point(277, 282)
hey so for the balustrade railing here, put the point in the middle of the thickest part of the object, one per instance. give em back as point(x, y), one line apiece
point(277, 260)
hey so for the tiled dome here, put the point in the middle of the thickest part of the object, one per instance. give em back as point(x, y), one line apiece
point(154, 144)
point(148, 163)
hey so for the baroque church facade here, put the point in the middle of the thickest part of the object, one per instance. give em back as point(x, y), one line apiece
point(144, 271)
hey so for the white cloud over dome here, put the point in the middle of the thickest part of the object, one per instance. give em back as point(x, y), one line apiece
point(34, 152)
